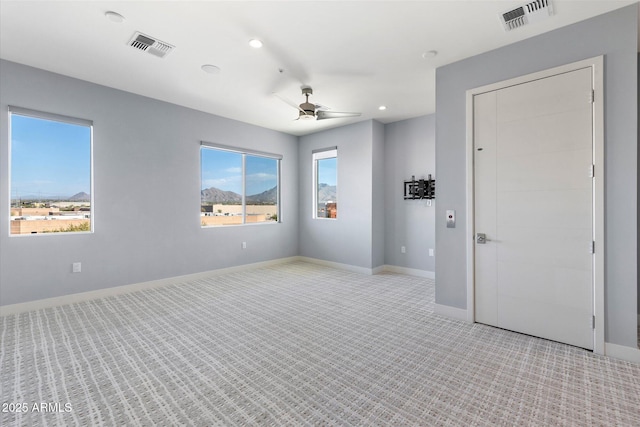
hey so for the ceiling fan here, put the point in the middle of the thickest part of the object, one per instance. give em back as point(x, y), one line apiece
point(309, 111)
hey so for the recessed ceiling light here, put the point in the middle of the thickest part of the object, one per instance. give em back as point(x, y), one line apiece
point(430, 54)
point(382, 107)
point(114, 17)
point(255, 43)
point(211, 69)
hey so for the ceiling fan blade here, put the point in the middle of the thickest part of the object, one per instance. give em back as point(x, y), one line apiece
point(321, 115)
point(287, 101)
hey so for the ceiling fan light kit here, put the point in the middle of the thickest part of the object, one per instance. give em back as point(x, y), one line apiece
point(306, 115)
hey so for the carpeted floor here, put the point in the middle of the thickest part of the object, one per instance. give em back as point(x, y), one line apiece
point(296, 344)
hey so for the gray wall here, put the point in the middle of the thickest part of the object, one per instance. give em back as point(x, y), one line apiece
point(373, 219)
point(409, 150)
point(614, 35)
point(147, 193)
point(378, 195)
point(349, 238)
point(147, 227)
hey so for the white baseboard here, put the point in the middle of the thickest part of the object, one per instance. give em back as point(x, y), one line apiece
point(9, 309)
point(377, 270)
point(410, 271)
point(371, 271)
point(340, 266)
point(630, 354)
point(448, 311)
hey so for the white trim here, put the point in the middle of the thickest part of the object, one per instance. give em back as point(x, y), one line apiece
point(10, 309)
point(320, 150)
point(630, 354)
point(452, 312)
point(596, 64)
point(410, 271)
point(470, 249)
point(239, 150)
point(36, 114)
point(328, 153)
point(598, 198)
point(6, 310)
point(316, 155)
point(377, 270)
point(340, 266)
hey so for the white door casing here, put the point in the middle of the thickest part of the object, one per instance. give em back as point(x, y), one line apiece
point(530, 145)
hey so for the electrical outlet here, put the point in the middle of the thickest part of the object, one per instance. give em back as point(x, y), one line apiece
point(76, 267)
point(430, 252)
point(244, 245)
point(403, 250)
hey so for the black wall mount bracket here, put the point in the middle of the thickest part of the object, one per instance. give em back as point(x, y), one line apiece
point(420, 189)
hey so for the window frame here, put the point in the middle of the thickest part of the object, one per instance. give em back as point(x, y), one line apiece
point(322, 154)
point(244, 153)
point(42, 115)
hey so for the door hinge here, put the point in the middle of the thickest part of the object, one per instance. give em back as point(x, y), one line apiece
point(592, 171)
point(593, 322)
point(592, 247)
point(592, 96)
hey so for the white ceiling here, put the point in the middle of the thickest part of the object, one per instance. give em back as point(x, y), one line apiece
point(357, 55)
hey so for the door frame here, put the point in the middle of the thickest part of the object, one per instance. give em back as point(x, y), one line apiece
point(596, 65)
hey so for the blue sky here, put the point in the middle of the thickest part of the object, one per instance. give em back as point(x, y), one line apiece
point(223, 170)
point(49, 159)
point(327, 171)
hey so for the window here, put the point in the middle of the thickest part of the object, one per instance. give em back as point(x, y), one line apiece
point(50, 173)
point(238, 187)
point(325, 183)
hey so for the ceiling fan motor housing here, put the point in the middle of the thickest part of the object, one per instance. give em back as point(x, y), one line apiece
point(307, 109)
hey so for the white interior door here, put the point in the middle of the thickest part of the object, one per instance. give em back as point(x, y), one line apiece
point(533, 200)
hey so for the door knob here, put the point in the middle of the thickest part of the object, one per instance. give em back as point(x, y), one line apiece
point(481, 238)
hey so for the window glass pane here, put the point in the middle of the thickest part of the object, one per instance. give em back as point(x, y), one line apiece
point(326, 190)
point(221, 187)
point(229, 175)
point(261, 177)
point(50, 176)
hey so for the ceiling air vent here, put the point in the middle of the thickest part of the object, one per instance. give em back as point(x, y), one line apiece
point(529, 13)
point(150, 45)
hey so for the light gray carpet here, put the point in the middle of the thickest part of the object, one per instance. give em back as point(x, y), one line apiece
point(298, 344)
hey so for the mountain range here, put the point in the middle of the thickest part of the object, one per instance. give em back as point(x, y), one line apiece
point(326, 193)
point(215, 195)
point(78, 197)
